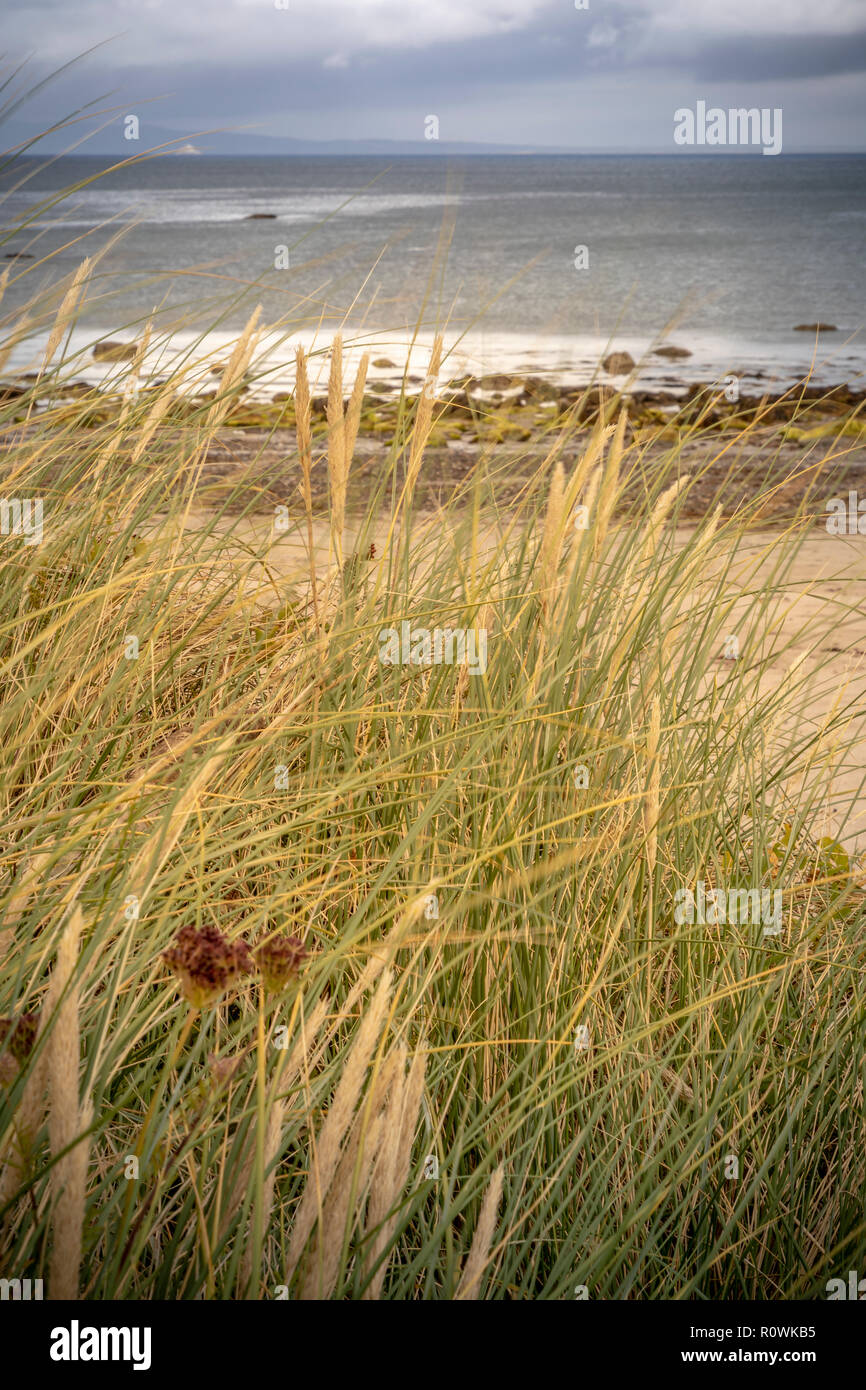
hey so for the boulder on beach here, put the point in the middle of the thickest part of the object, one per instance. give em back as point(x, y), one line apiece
point(671, 352)
point(538, 388)
point(618, 363)
point(500, 381)
point(111, 351)
point(816, 328)
point(383, 362)
point(261, 217)
point(587, 401)
point(451, 400)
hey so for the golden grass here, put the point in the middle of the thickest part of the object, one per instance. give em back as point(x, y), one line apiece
point(258, 770)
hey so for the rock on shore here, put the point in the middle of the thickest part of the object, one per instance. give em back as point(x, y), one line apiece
point(618, 363)
point(111, 351)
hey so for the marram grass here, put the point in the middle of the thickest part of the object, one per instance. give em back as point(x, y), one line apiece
point(485, 1059)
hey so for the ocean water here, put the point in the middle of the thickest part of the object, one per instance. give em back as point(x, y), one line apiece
point(722, 255)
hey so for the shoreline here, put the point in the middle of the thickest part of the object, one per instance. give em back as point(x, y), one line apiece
point(794, 443)
point(808, 444)
point(669, 363)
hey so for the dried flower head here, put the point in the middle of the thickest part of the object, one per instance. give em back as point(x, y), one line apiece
point(280, 959)
point(206, 963)
point(17, 1039)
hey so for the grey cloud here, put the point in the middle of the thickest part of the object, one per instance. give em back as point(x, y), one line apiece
point(782, 58)
point(541, 70)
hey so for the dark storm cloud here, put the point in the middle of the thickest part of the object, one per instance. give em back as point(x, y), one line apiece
point(783, 57)
point(331, 61)
point(561, 51)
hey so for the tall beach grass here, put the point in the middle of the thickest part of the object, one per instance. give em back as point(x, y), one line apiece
point(499, 1067)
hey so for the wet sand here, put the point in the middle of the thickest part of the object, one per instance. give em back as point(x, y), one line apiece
point(258, 469)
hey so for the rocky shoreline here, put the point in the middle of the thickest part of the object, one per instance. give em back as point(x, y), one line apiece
point(808, 442)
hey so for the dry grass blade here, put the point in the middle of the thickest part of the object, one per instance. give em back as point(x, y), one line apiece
point(551, 541)
point(609, 485)
point(66, 312)
point(338, 468)
point(67, 1118)
point(326, 1150)
point(423, 419)
point(652, 803)
point(234, 372)
point(479, 1251)
point(392, 1171)
point(348, 1193)
point(353, 411)
point(303, 427)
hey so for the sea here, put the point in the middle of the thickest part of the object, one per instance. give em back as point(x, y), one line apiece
point(525, 263)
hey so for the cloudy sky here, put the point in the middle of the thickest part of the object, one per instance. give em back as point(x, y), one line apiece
point(527, 72)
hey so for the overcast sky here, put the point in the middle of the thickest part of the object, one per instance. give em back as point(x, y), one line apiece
point(529, 72)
